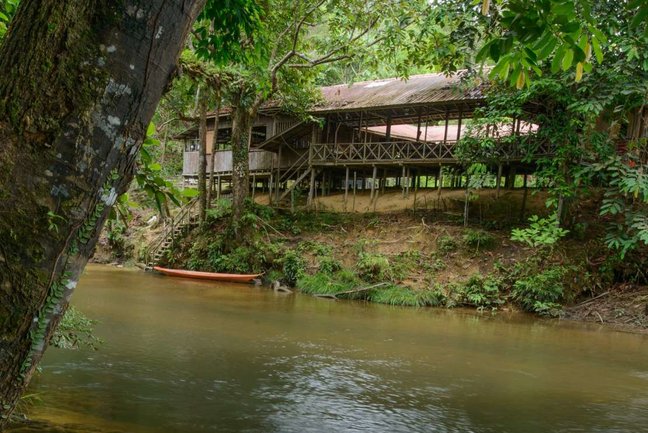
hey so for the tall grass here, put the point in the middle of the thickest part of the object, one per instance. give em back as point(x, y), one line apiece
point(400, 295)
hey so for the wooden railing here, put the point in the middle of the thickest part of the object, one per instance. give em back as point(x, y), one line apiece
point(409, 152)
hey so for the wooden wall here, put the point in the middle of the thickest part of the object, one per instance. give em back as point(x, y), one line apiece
point(260, 160)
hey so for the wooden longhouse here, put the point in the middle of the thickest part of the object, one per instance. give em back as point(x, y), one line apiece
point(368, 132)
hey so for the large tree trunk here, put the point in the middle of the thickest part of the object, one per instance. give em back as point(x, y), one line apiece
point(79, 82)
point(242, 119)
point(202, 158)
point(213, 151)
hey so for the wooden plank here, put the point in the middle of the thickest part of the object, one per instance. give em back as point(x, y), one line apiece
point(311, 189)
point(374, 190)
point(278, 186)
point(416, 182)
point(524, 198)
point(445, 131)
point(355, 181)
point(498, 181)
point(346, 188)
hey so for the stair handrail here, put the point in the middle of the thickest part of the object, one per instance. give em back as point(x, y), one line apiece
point(297, 165)
point(294, 185)
point(175, 221)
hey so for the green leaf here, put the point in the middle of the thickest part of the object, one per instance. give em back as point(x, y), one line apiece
point(546, 50)
point(484, 52)
point(579, 55)
point(190, 192)
point(596, 46)
point(150, 130)
point(639, 18)
point(563, 8)
point(567, 59)
point(598, 34)
point(494, 51)
point(544, 40)
point(557, 60)
point(500, 70)
point(570, 27)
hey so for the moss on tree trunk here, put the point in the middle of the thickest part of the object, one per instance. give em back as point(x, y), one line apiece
point(242, 119)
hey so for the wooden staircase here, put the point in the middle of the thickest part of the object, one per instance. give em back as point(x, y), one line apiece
point(179, 225)
point(294, 185)
point(301, 165)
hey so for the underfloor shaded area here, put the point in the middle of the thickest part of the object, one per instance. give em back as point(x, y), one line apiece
point(191, 356)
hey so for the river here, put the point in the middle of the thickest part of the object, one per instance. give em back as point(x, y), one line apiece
point(190, 356)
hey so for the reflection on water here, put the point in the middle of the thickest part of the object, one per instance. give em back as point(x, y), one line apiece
point(191, 356)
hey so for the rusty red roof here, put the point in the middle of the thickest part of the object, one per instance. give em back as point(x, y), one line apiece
point(394, 92)
point(417, 90)
point(437, 132)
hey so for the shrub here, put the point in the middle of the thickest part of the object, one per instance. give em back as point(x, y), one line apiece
point(446, 244)
point(294, 266)
point(478, 239)
point(262, 211)
point(481, 292)
point(220, 209)
point(373, 267)
point(240, 260)
point(116, 238)
point(329, 265)
point(403, 264)
point(542, 232)
point(314, 247)
point(274, 275)
point(541, 292)
point(436, 265)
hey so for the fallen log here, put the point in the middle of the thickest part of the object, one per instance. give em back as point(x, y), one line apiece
point(593, 299)
point(349, 292)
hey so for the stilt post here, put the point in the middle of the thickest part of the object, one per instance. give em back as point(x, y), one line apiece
point(355, 181)
point(346, 188)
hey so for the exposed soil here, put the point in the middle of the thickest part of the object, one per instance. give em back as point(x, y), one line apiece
point(624, 307)
point(394, 234)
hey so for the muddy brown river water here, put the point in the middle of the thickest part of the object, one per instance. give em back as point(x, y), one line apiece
point(190, 356)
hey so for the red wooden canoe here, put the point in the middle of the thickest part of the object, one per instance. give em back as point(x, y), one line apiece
point(232, 278)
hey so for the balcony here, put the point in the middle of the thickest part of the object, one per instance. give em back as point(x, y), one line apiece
point(409, 152)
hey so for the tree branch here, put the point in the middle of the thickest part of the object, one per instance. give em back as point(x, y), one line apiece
point(329, 57)
point(295, 40)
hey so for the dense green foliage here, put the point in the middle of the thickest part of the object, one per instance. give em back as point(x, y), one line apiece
point(541, 292)
point(521, 37)
point(7, 11)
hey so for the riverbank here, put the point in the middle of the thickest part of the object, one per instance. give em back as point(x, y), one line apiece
point(422, 257)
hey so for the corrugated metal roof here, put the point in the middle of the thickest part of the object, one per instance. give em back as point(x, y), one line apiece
point(437, 132)
point(417, 90)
